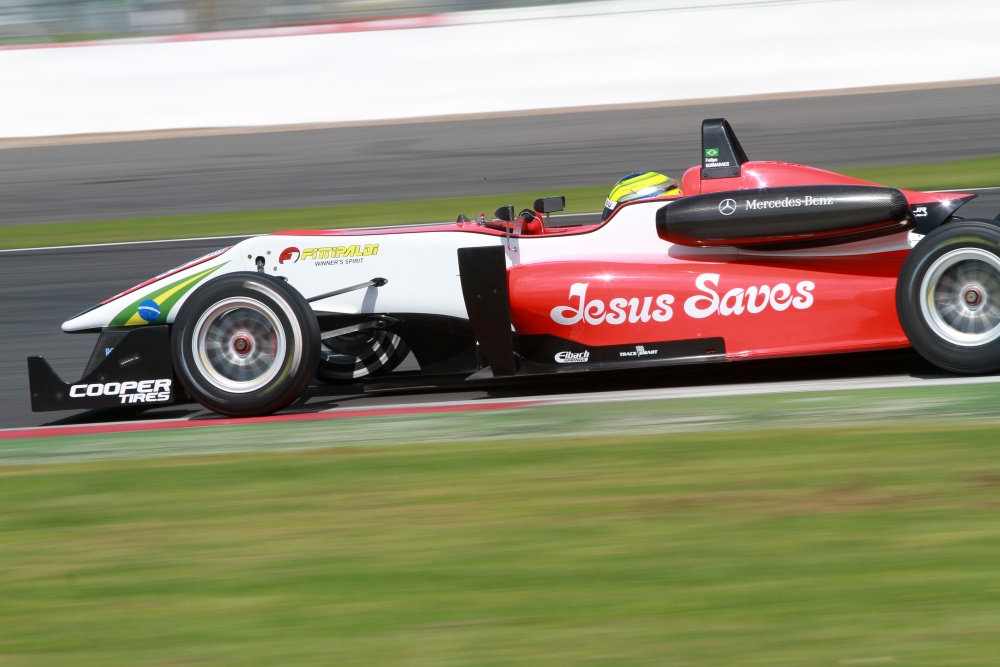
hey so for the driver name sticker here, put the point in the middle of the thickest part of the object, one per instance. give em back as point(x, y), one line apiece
point(712, 159)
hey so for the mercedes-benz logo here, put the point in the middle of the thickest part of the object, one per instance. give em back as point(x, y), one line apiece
point(727, 207)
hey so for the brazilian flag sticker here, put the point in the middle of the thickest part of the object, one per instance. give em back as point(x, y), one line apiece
point(711, 152)
point(153, 308)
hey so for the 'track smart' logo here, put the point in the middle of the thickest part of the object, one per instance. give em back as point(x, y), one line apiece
point(639, 351)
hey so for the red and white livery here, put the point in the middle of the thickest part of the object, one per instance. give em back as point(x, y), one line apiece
point(755, 259)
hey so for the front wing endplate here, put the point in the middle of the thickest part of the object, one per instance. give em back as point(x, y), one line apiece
point(135, 373)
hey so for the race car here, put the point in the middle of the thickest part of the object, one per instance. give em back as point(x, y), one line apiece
point(739, 260)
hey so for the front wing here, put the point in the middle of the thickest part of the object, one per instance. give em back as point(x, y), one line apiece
point(129, 367)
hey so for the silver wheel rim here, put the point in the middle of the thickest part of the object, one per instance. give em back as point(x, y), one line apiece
point(960, 297)
point(238, 345)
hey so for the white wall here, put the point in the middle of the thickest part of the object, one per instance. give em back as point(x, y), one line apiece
point(500, 61)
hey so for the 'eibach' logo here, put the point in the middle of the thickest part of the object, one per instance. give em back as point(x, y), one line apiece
point(572, 357)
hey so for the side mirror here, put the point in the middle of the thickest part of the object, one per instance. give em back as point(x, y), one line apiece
point(550, 205)
point(505, 213)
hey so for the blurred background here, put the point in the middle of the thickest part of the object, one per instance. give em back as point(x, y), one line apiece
point(42, 21)
point(848, 527)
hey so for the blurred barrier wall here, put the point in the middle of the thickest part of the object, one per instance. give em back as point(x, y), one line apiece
point(523, 59)
point(39, 21)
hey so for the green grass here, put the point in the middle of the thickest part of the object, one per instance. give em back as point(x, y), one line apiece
point(971, 173)
point(977, 173)
point(64, 38)
point(792, 542)
point(578, 200)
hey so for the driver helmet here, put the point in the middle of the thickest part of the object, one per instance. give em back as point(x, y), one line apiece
point(639, 185)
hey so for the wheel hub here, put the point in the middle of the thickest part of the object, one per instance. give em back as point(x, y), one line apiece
point(974, 296)
point(243, 345)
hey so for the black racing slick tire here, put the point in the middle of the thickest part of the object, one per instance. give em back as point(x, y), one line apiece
point(245, 345)
point(948, 297)
point(359, 355)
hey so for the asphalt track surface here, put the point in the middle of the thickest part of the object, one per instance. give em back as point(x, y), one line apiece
point(407, 161)
point(39, 289)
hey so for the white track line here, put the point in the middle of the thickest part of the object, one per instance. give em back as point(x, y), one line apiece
point(125, 243)
point(715, 391)
point(992, 187)
point(791, 387)
point(217, 238)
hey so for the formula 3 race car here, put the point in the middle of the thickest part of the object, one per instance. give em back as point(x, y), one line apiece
point(754, 260)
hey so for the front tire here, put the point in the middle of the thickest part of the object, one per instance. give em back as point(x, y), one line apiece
point(245, 345)
point(948, 297)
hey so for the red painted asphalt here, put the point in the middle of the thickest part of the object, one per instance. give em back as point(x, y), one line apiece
point(361, 25)
point(157, 425)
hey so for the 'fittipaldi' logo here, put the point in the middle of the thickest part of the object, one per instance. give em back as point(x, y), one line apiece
point(293, 254)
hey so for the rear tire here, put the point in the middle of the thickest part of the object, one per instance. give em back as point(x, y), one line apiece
point(948, 297)
point(359, 355)
point(245, 345)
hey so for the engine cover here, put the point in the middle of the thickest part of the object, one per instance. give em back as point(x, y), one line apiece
point(784, 217)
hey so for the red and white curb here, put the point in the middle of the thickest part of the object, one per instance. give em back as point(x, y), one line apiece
point(395, 23)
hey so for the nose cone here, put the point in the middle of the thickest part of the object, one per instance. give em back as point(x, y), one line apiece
point(89, 320)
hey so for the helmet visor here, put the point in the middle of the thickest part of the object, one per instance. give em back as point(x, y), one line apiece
point(642, 185)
